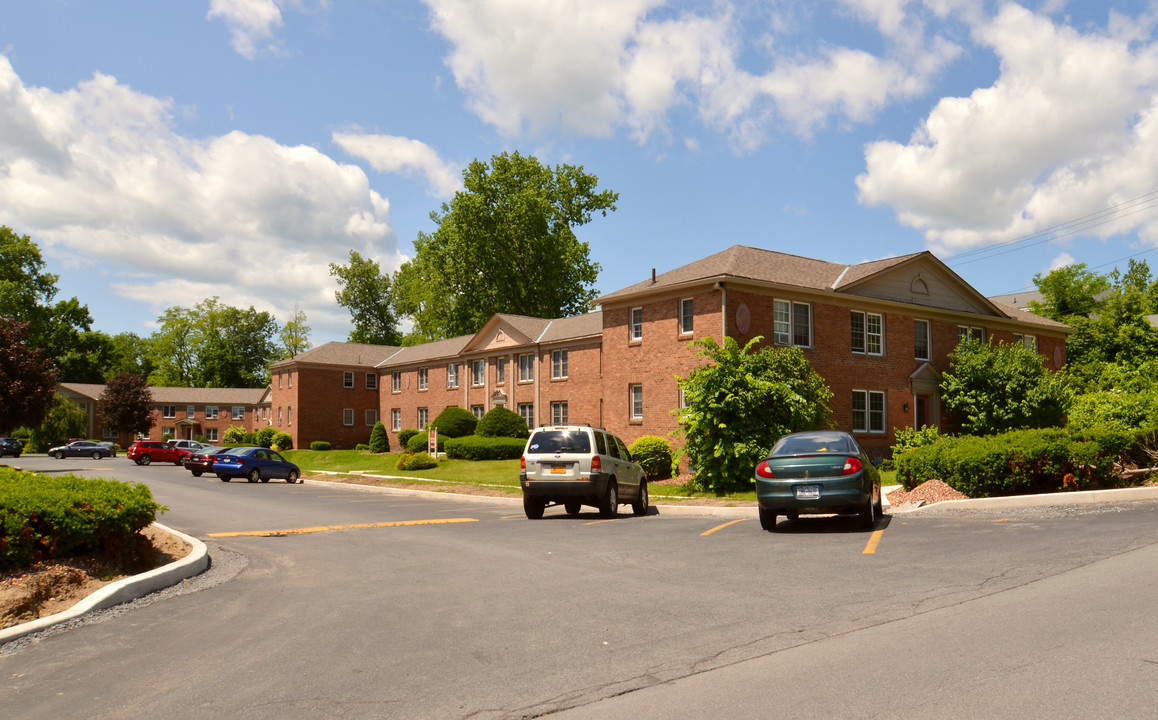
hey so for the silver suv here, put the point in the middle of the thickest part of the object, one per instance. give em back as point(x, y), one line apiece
point(577, 465)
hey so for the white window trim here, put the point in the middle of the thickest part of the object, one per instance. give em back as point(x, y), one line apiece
point(371, 381)
point(867, 428)
point(789, 338)
point(684, 329)
point(559, 412)
point(451, 375)
point(371, 418)
point(973, 332)
point(423, 379)
point(635, 329)
point(348, 417)
point(396, 381)
point(530, 367)
point(560, 369)
point(928, 339)
point(396, 419)
point(348, 380)
point(501, 371)
point(632, 391)
point(478, 373)
point(867, 336)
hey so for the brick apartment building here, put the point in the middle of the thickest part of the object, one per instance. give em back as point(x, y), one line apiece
point(879, 333)
point(179, 412)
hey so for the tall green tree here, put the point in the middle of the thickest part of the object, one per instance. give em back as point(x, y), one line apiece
point(1070, 291)
point(995, 387)
point(61, 328)
point(126, 404)
point(741, 403)
point(1120, 332)
point(64, 420)
point(504, 244)
point(27, 379)
point(295, 334)
point(366, 292)
point(213, 345)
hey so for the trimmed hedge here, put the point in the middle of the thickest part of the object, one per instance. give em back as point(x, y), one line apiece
point(319, 445)
point(653, 454)
point(379, 440)
point(473, 447)
point(404, 436)
point(416, 461)
point(454, 422)
point(45, 517)
point(282, 441)
point(502, 422)
point(1018, 462)
point(419, 443)
point(266, 435)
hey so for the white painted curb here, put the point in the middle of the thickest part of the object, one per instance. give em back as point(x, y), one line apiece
point(124, 590)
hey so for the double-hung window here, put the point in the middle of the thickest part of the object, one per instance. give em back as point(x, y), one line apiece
point(637, 323)
point(868, 411)
point(347, 379)
point(526, 367)
point(396, 419)
point(792, 323)
point(371, 418)
point(687, 315)
point(423, 418)
point(168, 411)
point(371, 381)
point(559, 413)
point(527, 413)
point(636, 399)
point(452, 375)
point(478, 411)
point(348, 417)
point(558, 364)
point(423, 378)
point(967, 332)
point(500, 370)
point(867, 333)
point(478, 372)
point(396, 381)
point(921, 340)
point(1028, 341)
point(210, 412)
point(238, 412)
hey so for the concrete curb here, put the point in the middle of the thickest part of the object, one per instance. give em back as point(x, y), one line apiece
point(121, 591)
point(1085, 497)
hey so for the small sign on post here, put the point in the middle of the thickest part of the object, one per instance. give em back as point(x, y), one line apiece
point(432, 443)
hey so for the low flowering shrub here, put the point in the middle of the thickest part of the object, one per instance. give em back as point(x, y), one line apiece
point(416, 461)
point(49, 517)
point(473, 447)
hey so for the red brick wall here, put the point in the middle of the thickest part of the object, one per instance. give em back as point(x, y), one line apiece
point(312, 409)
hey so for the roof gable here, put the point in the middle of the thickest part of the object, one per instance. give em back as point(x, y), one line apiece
point(503, 331)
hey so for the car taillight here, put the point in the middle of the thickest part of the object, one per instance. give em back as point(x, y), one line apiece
point(523, 463)
point(763, 469)
point(596, 464)
point(852, 465)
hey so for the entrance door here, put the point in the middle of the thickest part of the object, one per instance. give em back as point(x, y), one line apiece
point(922, 418)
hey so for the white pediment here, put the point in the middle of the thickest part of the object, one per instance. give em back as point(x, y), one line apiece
point(924, 282)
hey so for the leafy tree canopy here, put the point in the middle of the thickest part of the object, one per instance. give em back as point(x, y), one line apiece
point(365, 292)
point(27, 380)
point(1119, 332)
point(504, 244)
point(996, 387)
point(63, 421)
point(125, 404)
point(1068, 291)
point(213, 345)
point(295, 334)
point(740, 404)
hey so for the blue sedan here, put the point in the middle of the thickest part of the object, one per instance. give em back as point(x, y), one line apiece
point(255, 464)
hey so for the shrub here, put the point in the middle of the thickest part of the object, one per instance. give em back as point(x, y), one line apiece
point(455, 422)
point(404, 436)
point(416, 461)
point(421, 442)
point(282, 441)
point(234, 434)
point(319, 445)
point(44, 517)
point(379, 440)
point(362, 447)
point(249, 438)
point(908, 438)
point(166, 437)
point(653, 454)
point(266, 435)
point(473, 447)
point(501, 422)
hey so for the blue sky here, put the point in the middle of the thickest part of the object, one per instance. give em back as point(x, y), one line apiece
point(163, 153)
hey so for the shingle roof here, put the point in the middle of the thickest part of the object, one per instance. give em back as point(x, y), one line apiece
point(342, 353)
point(1027, 317)
point(532, 327)
point(570, 328)
point(426, 352)
point(183, 395)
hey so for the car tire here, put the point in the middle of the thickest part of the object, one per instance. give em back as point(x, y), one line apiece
point(59, 455)
point(292, 477)
point(97, 456)
point(254, 475)
point(768, 519)
point(609, 505)
point(880, 507)
point(144, 460)
point(223, 478)
point(196, 473)
point(572, 507)
point(534, 507)
point(639, 504)
point(868, 515)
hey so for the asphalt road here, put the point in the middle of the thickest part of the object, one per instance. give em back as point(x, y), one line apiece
point(444, 608)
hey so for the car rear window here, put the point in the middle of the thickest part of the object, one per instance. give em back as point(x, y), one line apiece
point(560, 441)
point(811, 444)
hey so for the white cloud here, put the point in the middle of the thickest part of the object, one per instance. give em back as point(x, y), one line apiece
point(99, 177)
point(1070, 127)
point(253, 23)
point(1061, 261)
point(392, 154)
point(590, 66)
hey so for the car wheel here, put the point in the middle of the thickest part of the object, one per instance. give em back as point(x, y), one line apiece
point(880, 507)
point(223, 478)
point(179, 461)
point(639, 504)
point(96, 456)
point(196, 473)
point(145, 460)
point(868, 515)
point(768, 519)
point(292, 477)
point(59, 455)
point(254, 475)
point(609, 506)
point(572, 507)
point(534, 507)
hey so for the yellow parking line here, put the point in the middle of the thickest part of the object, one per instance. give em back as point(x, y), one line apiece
point(721, 527)
point(508, 517)
point(596, 522)
point(874, 540)
point(324, 528)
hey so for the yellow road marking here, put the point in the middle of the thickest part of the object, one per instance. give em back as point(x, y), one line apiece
point(508, 517)
point(721, 527)
point(324, 528)
point(596, 522)
point(875, 540)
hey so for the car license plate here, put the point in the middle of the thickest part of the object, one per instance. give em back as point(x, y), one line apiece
point(807, 492)
point(558, 469)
